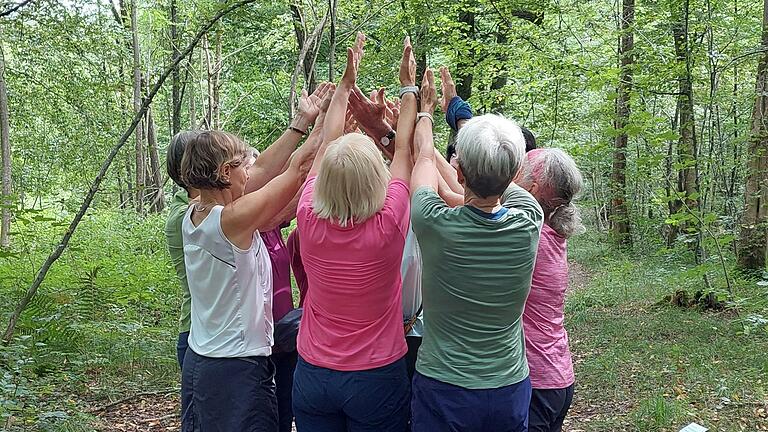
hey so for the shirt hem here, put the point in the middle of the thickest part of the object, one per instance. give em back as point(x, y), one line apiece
point(463, 383)
point(356, 367)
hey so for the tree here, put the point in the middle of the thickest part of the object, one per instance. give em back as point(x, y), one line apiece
point(619, 211)
point(754, 221)
point(139, 137)
point(5, 144)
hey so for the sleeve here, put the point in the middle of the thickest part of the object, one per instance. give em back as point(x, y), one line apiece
point(304, 207)
point(426, 208)
point(398, 204)
point(518, 198)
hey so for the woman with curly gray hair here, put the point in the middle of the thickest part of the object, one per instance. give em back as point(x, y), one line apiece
point(552, 177)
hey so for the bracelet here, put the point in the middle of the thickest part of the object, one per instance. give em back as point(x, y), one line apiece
point(422, 115)
point(297, 130)
point(409, 89)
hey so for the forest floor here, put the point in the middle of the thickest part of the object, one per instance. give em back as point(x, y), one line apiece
point(642, 364)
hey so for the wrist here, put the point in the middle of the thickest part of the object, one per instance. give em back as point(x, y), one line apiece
point(300, 122)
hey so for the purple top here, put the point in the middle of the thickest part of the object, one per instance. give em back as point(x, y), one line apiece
point(282, 299)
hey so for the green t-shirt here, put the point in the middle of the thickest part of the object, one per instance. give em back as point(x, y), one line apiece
point(178, 209)
point(475, 279)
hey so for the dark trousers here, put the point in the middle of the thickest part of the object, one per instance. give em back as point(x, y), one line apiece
point(439, 406)
point(374, 400)
point(549, 408)
point(285, 365)
point(228, 394)
point(181, 348)
point(414, 342)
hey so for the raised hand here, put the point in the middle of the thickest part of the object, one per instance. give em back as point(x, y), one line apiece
point(354, 55)
point(428, 93)
point(448, 88)
point(407, 64)
point(370, 113)
point(324, 104)
point(309, 105)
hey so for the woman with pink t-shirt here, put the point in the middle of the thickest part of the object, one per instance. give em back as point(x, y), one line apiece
point(551, 176)
point(352, 218)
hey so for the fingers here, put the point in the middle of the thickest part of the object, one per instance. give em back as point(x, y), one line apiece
point(304, 94)
point(430, 78)
point(380, 99)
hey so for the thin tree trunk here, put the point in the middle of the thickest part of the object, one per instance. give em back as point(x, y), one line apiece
point(175, 79)
point(332, 39)
point(753, 247)
point(463, 75)
point(158, 198)
point(140, 168)
point(62, 245)
point(302, 39)
point(218, 62)
point(5, 144)
point(619, 211)
point(687, 151)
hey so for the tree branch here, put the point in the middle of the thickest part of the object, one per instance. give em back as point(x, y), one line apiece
point(14, 8)
point(33, 287)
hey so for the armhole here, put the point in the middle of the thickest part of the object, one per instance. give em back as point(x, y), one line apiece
point(254, 239)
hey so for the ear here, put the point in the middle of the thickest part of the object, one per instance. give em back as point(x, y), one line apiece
point(459, 173)
point(225, 171)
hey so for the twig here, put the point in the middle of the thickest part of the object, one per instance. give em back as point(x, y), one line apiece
point(131, 397)
point(158, 419)
point(32, 289)
point(309, 42)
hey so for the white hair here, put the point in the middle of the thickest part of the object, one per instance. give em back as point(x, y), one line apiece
point(490, 151)
point(352, 181)
point(558, 181)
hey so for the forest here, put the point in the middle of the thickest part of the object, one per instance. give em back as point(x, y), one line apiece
point(662, 103)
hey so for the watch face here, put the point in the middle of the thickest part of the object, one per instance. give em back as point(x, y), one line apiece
point(385, 141)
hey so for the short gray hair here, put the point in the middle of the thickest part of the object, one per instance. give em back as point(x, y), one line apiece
point(490, 151)
point(558, 181)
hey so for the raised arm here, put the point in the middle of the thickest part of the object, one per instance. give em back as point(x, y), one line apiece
point(425, 170)
point(402, 163)
point(274, 159)
point(336, 118)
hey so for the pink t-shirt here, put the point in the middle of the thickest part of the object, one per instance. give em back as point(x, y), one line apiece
point(546, 341)
point(353, 314)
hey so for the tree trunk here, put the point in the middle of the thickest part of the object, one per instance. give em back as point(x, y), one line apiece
point(218, 65)
point(332, 39)
point(302, 38)
point(5, 144)
point(175, 79)
point(753, 246)
point(619, 211)
point(687, 175)
point(463, 74)
point(140, 168)
point(158, 198)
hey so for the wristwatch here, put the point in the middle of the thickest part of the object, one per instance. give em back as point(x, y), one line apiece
point(388, 138)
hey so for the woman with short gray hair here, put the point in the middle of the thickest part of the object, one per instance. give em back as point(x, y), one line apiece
point(554, 180)
point(471, 372)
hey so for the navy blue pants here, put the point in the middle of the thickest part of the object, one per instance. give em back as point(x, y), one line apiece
point(181, 348)
point(374, 400)
point(285, 365)
point(549, 408)
point(228, 394)
point(438, 406)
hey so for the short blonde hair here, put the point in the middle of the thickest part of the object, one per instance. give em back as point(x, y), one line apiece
point(205, 154)
point(352, 181)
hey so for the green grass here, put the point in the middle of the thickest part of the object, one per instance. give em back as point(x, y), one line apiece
point(645, 365)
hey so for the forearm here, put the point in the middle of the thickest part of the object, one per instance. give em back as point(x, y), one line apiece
point(288, 213)
point(448, 174)
point(333, 126)
point(424, 171)
point(273, 160)
point(402, 163)
point(450, 197)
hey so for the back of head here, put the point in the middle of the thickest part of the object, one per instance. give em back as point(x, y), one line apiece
point(206, 153)
point(558, 181)
point(490, 151)
point(530, 139)
point(352, 181)
point(175, 153)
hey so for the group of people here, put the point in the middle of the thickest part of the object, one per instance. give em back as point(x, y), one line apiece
point(431, 288)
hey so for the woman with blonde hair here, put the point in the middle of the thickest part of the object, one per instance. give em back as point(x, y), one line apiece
point(227, 376)
point(353, 220)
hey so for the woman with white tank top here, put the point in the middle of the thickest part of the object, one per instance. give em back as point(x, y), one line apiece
point(227, 377)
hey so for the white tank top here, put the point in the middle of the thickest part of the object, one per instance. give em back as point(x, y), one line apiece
point(231, 291)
